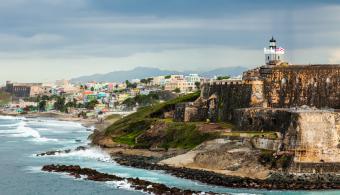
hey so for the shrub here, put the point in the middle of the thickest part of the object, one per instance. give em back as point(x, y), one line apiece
point(266, 157)
point(284, 161)
point(182, 135)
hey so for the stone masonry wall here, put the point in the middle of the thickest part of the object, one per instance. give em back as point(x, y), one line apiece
point(223, 97)
point(315, 137)
point(262, 119)
point(297, 85)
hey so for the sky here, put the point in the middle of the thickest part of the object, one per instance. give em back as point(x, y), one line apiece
point(45, 40)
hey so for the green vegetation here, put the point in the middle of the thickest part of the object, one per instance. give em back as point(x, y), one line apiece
point(250, 134)
point(177, 90)
point(141, 100)
point(227, 125)
point(183, 135)
point(5, 98)
point(60, 104)
point(268, 157)
point(130, 85)
point(146, 81)
point(113, 117)
point(42, 106)
point(223, 77)
point(146, 114)
point(129, 138)
point(198, 85)
point(91, 104)
point(125, 130)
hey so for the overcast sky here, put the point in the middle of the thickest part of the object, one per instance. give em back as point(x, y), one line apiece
point(44, 40)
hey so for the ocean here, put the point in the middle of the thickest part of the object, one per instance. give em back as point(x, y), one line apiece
point(20, 169)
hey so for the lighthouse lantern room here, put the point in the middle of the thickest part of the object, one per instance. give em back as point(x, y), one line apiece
point(273, 54)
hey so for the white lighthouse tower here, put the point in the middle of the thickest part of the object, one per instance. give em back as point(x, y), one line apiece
point(273, 54)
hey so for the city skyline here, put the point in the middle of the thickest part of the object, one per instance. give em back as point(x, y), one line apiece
point(49, 40)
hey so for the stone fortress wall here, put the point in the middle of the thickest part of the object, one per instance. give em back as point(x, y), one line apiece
point(299, 101)
point(298, 85)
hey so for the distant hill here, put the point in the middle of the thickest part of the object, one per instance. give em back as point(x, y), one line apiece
point(226, 71)
point(144, 72)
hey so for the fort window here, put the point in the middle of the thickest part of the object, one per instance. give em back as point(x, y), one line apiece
point(250, 121)
point(274, 121)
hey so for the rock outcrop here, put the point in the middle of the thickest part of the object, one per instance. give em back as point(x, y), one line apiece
point(136, 183)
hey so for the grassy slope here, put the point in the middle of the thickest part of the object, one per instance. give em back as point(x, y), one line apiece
point(142, 118)
point(184, 135)
point(177, 134)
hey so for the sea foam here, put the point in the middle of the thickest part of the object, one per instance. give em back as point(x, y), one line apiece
point(91, 153)
point(24, 131)
point(124, 184)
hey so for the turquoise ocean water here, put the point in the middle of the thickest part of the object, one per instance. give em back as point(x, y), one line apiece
point(21, 139)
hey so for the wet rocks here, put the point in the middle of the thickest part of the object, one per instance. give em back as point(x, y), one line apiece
point(55, 152)
point(136, 183)
point(275, 181)
point(81, 148)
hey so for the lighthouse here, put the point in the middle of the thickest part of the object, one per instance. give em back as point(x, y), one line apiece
point(273, 54)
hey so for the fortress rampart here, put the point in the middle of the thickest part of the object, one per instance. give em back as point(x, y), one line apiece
point(301, 102)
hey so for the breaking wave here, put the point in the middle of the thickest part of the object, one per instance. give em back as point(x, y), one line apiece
point(56, 123)
point(91, 153)
point(23, 131)
point(124, 184)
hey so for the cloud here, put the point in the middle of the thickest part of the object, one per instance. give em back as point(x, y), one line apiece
point(334, 57)
point(65, 38)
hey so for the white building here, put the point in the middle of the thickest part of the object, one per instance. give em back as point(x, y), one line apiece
point(273, 54)
point(193, 78)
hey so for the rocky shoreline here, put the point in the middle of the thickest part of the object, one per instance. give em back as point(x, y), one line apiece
point(136, 183)
point(279, 181)
point(55, 152)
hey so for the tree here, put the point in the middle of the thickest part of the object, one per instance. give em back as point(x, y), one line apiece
point(141, 100)
point(38, 98)
point(130, 85)
point(42, 106)
point(198, 85)
point(45, 97)
point(60, 104)
point(129, 102)
point(80, 105)
point(92, 88)
point(144, 81)
point(223, 77)
point(90, 105)
point(177, 90)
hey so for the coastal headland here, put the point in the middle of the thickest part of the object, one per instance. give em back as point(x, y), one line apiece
point(213, 153)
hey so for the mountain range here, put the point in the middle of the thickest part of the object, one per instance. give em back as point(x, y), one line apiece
point(145, 72)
